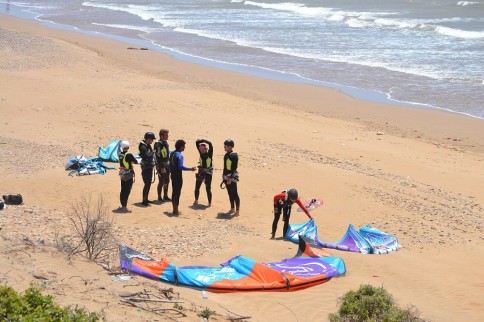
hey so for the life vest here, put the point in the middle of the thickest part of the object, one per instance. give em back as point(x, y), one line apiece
point(145, 160)
point(228, 162)
point(125, 163)
point(163, 152)
point(208, 162)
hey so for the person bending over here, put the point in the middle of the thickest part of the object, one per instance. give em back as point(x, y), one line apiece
point(282, 204)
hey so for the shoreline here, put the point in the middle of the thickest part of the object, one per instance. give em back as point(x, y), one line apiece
point(447, 129)
point(416, 174)
point(370, 96)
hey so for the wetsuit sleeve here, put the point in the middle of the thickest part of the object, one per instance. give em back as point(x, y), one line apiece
point(145, 152)
point(197, 143)
point(180, 163)
point(234, 157)
point(210, 149)
point(300, 204)
point(130, 158)
point(157, 151)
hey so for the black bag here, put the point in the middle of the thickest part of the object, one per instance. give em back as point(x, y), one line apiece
point(13, 199)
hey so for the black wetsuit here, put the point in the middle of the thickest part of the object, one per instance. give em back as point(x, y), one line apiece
point(126, 161)
point(176, 169)
point(162, 154)
point(147, 164)
point(231, 161)
point(205, 171)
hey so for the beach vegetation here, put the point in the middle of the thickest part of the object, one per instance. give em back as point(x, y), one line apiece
point(179, 307)
point(34, 306)
point(372, 304)
point(206, 313)
point(92, 226)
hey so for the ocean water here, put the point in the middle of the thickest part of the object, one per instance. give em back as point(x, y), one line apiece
point(428, 54)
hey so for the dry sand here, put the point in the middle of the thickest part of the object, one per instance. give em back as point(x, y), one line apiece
point(414, 173)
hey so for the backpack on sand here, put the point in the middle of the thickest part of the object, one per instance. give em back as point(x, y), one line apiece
point(13, 199)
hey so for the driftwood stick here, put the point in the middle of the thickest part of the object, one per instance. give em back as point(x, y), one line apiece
point(39, 277)
point(241, 318)
point(235, 318)
point(170, 309)
point(155, 311)
point(131, 294)
point(134, 299)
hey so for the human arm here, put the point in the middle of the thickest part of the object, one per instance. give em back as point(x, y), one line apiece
point(181, 166)
point(300, 204)
point(145, 152)
point(210, 148)
point(130, 158)
point(234, 157)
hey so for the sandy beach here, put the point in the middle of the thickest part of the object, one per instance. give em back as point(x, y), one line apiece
point(414, 173)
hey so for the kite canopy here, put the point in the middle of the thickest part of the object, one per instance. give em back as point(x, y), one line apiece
point(240, 273)
point(367, 240)
point(111, 152)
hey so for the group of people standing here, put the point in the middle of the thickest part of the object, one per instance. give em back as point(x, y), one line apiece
point(169, 166)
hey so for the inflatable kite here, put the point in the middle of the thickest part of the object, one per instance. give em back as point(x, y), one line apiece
point(367, 240)
point(111, 152)
point(81, 166)
point(240, 274)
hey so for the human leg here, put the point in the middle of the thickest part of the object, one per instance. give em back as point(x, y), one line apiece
point(147, 175)
point(176, 186)
point(159, 187)
point(208, 187)
point(230, 192)
point(277, 215)
point(285, 217)
point(166, 184)
point(198, 184)
point(236, 198)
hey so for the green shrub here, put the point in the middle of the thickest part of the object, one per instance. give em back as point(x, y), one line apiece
point(372, 304)
point(206, 313)
point(33, 306)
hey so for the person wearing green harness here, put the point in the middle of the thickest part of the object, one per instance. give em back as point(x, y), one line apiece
point(231, 176)
point(126, 173)
point(162, 156)
point(147, 163)
point(205, 169)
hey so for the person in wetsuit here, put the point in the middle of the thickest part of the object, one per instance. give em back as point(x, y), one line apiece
point(162, 154)
point(126, 173)
point(205, 169)
point(282, 204)
point(231, 176)
point(176, 168)
point(147, 164)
